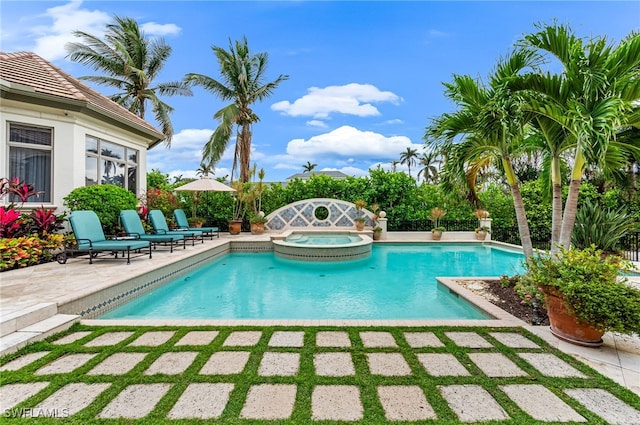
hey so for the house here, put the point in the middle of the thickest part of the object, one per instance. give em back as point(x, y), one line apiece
point(339, 175)
point(59, 134)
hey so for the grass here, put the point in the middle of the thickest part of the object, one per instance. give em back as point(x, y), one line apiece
point(306, 379)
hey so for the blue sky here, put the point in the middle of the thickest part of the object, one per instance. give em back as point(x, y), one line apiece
point(365, 78)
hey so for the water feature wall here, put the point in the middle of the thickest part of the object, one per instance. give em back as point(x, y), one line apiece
point(317, 213)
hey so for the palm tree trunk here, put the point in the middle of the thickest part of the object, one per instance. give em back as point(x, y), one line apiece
point(245, 153)
point(571, 206)
point(556, 216)
point(521, 215)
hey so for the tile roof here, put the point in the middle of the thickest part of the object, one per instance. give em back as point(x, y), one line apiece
point(29, 69)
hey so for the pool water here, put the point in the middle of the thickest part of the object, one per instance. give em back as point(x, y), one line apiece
point(395, 282)
point(322, 239)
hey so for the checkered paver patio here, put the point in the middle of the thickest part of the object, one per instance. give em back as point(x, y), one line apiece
point(369, 374)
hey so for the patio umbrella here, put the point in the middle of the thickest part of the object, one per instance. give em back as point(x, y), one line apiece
point(206, 184)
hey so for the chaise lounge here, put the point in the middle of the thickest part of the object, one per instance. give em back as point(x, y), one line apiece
point(90, 238)
point(160, 227)
point(133, 227)
point(183, 224)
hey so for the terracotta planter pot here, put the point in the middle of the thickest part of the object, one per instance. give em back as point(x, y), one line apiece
point(436, 235)
point(481, 235)
point(565, 325)
point(196, 224)
point(235, 227)
point(257, 228)
point(377, 236)
point(359, 225)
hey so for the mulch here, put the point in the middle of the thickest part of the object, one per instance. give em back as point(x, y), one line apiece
point(509, 300)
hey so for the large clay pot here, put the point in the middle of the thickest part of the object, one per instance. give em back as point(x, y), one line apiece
point(359, 225)
point(257, 228)
point(436, 235)
point(481, 235)
point(235, 227)
point(565, 325)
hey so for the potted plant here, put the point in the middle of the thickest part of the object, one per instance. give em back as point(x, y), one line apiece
point(195, 221)
point(257, 223)
point(435, 216)
point(377, 233)
point(482, 232)
point(360, 220)
point(240, 195)
point(584, 293)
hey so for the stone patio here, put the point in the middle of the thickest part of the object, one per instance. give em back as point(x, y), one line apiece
point(267, 365)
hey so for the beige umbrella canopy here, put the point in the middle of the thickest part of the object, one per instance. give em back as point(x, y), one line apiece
point(206, 184)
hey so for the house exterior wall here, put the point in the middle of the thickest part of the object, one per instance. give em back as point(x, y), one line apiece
point(68, 155)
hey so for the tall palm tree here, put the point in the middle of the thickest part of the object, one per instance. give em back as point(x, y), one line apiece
point(131, 62)
point(409, 157)
point(592, 98)
point(205, 169)
point(428, 162)
point(488, 127)
point(394, 165)
point(308, 167)
point(242, 83)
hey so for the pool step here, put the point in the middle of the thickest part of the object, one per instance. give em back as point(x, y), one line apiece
point(31, 324)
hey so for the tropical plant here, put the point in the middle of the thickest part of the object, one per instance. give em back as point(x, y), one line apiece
point(16, 188)
point(493, 127)
point(408, 157)
point(593, 98)
point(590, 286)
point(600, 227)
point(106, 200)
point(10, 222)
point(131, 62)
point(308, 167)
point(242, 83)
point(28, 250)
point(45, 220)
point(435, 215)
point(427, 162)
point(163, 200)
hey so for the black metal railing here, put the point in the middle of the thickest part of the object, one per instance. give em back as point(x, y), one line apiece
point(540, 236)
point(630, 246)
point(426, 225)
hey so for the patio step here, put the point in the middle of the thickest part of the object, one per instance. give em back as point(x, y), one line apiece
point(31, 324)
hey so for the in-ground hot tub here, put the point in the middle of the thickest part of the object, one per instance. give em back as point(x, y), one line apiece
point(323, 246)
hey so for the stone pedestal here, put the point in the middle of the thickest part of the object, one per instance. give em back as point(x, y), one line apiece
point(382, 222)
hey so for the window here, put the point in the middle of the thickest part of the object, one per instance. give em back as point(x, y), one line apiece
point(109, 163)
point(30, 150)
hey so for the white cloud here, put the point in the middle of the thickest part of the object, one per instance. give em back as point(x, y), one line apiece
point(350, 99)
point(437, 33)
point(155, 29)
point(317, 123)
point(394, 121)
point(348, 142)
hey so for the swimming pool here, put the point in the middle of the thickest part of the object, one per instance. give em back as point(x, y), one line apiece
point(396, 282)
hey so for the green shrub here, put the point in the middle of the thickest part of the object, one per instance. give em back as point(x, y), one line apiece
point(28, 250)
point(599, 226)
point(105, 200)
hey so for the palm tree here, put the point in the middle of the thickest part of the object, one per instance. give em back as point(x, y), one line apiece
point(242, 84)
point(428, 163)
point(409, 157)
point(308, 167)
point(205, 169)
point(130, 62)
point(592, 99)
point(394, 165)
point(493, 127)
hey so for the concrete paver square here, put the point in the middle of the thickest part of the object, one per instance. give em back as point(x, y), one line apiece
point(135, 401)
point(468, 339)
point(279, 364)
point(13, 394)
point(202, 401)
point(472, 403)
point(514, 340)
point(268, 402)
point(198, 338)
point(540, 403)
point(152, 339)
point(550, 365)
point(69, 400)
point(287, 339)
point(72, 337)
point(109, 338)
point(422, 339)
point(243, 339)
point(333, 364)
point(23, 360)
point(118, 364)
point(604, 404)
point(442, 364)
point(405, 403)
point(388, 364)
point(65, 364)
point(377, 339)
point(225, 363)
point(333, 339)
point(336, 403)
point(496, 365)
point(171, 363)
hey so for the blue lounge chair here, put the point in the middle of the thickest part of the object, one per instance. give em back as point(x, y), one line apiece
point(183, 224)
point(132, 224)
point(90, 237)
point(160, 227)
